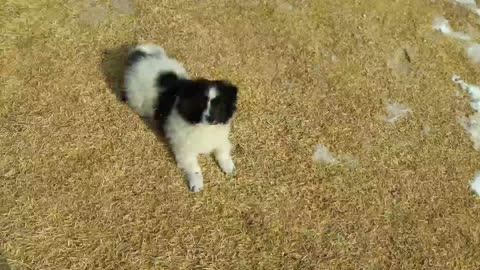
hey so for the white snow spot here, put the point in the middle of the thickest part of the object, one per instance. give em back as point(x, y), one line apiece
point(396, 111)
point(473, 52)
point(472, 49)
point(441, 24)
point(323, 155)
point(469, 4)
point(475, 184)
point(472, 123)
point(472, 126)
point(471, 89)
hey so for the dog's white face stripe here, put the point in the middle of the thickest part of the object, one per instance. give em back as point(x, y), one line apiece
point(212, 93)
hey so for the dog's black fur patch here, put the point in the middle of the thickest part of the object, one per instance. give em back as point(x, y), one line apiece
point(167, 80)
point(166, 100)
point(224, 105)
point(193, 99)
point(135, 56)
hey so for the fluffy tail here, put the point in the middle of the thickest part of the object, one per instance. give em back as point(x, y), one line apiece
point(140, 51)
point(150, 49)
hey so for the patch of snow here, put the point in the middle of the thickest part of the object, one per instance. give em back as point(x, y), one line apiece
point(469, 4)
point(396, 111)
point(323, 155)
point(475, 184)
point(472, 123)
point(472, 90)
point(473, 52)
point(441, 24)
point(466, 2)
point(472, 126)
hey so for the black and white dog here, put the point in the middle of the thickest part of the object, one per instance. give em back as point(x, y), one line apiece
point(195, 113)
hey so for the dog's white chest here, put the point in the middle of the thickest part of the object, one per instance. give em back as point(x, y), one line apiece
point(200, 138)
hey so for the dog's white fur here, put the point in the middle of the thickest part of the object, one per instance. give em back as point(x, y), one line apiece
point(140, 80)
point(187, 141)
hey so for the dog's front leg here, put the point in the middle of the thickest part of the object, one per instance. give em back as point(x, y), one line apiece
point(189, 164)
point(224, 157)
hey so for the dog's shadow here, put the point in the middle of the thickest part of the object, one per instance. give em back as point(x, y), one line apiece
point(113, 65)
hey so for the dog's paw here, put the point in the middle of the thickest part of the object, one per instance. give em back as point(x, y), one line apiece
point(227, 166)
point(196, 188)
point(195, 182)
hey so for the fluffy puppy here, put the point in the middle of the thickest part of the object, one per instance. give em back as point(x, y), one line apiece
point(195, 113)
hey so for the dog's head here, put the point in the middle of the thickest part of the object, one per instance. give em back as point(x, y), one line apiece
point(204, 101)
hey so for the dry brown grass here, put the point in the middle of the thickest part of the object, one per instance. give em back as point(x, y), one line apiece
point(84, 184)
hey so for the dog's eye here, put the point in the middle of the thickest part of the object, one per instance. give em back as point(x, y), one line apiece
point(203, 103)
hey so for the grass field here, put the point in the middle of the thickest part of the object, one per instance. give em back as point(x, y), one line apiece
point(85, 184)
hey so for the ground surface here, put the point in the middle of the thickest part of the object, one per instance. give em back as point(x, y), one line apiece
point(85, 184)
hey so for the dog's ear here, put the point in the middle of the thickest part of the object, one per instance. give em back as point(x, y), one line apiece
point(187, 88)
point(167, 80)
point(228, 89)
